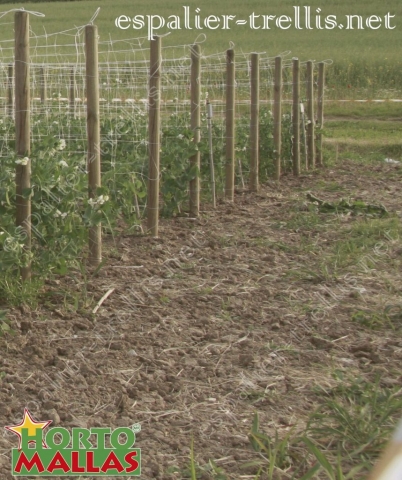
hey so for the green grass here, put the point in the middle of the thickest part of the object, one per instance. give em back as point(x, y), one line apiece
point(365, 64)
point(363, 111)
point(365, 139)
point(373, 132)
point(343, 435)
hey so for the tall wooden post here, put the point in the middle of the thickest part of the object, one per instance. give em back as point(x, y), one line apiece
point(230, 125)
point(278, 116)
point(10, 101)
point(93, 134)
point(195, 127)
point(310, 115)
point(22, 135)
point(320, 110)
point(154, 135)
point(296, 117)
point(254, 121)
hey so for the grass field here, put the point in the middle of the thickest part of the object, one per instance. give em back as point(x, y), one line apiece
point(366, 62)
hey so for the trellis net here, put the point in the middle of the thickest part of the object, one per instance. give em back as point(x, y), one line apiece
point(61, 209)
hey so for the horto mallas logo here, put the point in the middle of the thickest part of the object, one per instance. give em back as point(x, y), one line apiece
point(98, 451)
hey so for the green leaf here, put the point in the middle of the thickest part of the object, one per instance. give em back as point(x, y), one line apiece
point(322, 459)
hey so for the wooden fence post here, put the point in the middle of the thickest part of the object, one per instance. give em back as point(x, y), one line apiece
point(320, 110)
point(22, 134)
point(278, 116)
point(154, 135)
point(310, 115)
point(230, 125)
point(93, 134)
point(296, 117)
point(10, 101)
point(195, 127)
point(254, 122)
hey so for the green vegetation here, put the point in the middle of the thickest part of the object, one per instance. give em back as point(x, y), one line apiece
point(61, 211)
point(351, 425)
point(363, 110)
point(371, 133)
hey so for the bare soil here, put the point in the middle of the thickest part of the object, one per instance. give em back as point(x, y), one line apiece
point(221, 317)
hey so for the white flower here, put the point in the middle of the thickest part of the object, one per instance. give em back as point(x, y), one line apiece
point(62, 144)
point(62, 163)
point(22, 161)
point(99, 201)
point(180, 136)
point(102, 199)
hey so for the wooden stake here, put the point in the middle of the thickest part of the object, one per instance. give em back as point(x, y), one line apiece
point(320, 110)
point(42, 80)
point(278, 116)
point(71, 93)
point(296, 117)
point(303, 116)
point(310, 115)
point(22, 134)
point(230, 125)
point(254, 121)
point(154, 135)
point(211, 153)
point(196, 128)
point(93, 133)
point(10, 101)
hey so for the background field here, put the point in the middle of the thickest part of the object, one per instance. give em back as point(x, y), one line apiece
point(366, 63)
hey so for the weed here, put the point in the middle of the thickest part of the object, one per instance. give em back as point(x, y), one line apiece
point(391, 317)
point(355, 419)
point(275, 453)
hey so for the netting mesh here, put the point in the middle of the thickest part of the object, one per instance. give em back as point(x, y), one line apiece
point(58, 115)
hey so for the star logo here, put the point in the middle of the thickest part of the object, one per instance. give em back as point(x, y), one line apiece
point(31, 424)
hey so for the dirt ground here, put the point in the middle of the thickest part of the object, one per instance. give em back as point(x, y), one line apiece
point(219, 318)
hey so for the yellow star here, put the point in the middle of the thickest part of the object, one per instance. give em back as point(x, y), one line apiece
point(29, 423)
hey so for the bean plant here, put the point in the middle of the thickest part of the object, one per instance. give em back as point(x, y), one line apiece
point(61, 209)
